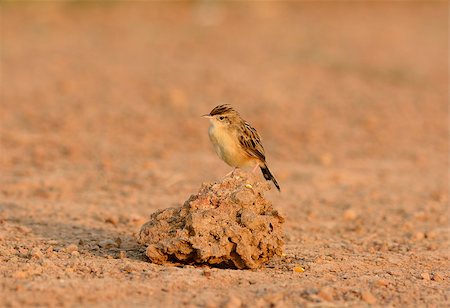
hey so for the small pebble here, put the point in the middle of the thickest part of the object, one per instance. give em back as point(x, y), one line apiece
point(368, 297)
point(112, 220)
point(425, 276)
point(394, 260)
point(118, 241)
point(122, 254)
point(419, 236)
point(421, 216)
point(36, 253)
point(20, 275)
point(75, 253)
point(350, 215)
point(71, 248)
point(108, 244)
point(326, 293)
point(233, 302)
point(431, 234)
point(60, 249)
point(128, 268)
point(24, 229)
point(382, 282)
point(22, 251)
point(326, 159)
point(432, 246)
point(207, 273)
point(437, 277)
point(395, 272)
point(47, 263)
point(298, 269)
point(135, 219)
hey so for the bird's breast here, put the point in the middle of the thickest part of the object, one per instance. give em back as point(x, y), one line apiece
point(227, 147)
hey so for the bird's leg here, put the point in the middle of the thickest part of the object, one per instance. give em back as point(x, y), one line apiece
point(256, 168)
point(231, 173)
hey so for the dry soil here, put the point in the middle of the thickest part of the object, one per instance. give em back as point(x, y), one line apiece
point(100, 127)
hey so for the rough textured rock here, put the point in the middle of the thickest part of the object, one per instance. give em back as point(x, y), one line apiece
point(229, 223)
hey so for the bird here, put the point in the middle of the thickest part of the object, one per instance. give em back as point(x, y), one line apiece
point(236, 142)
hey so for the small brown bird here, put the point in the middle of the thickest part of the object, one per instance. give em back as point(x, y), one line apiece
point(236, 142)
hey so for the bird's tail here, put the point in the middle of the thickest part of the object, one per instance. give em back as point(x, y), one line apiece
point(269, 176)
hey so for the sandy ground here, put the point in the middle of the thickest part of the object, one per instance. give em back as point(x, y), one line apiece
point(100, 127)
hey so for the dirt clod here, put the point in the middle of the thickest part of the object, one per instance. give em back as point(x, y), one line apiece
point(224, 223)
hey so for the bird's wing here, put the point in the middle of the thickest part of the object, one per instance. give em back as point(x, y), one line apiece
point(251, 142)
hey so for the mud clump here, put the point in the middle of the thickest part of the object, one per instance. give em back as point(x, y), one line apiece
point(228, 224)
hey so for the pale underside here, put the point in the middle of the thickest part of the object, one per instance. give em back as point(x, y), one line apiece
point(228, 148)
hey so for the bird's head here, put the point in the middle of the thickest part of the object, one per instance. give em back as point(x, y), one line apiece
point(222, 115)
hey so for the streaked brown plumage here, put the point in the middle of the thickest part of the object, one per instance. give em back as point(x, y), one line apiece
point(236, 141)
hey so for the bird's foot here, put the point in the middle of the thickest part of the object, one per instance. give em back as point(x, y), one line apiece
point(230, 173)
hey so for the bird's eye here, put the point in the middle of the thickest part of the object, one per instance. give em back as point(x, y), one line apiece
point(221, 118)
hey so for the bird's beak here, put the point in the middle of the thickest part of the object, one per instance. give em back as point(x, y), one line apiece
point(207, 116)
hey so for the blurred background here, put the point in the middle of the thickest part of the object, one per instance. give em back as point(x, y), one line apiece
point(116, 89)
point(100, 106)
